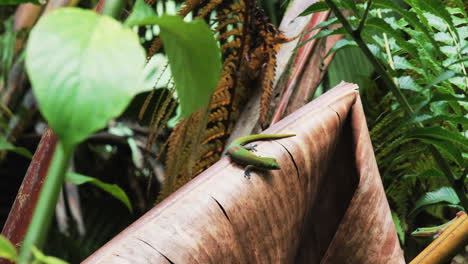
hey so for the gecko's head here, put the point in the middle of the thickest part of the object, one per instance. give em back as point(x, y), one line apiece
point(272, 164)
point(417, 232)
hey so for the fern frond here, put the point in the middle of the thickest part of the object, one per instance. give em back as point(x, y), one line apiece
point(217, 131)
point(150, 96)
point(236, 32)
point(377, 132)
point(249, 45)
point(234, 44)
point(219, 114)
point(155, 46)
point(188, 6)
point(267, 88)
point(208, 8)
point(175, 144)
point(234, 20)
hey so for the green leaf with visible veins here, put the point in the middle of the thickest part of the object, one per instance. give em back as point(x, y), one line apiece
point(193, 53)
point(439, 133)
point(72, 67)
point(442, 195)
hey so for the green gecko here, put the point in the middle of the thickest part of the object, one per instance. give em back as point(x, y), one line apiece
point(241, 154)
point(435, 231)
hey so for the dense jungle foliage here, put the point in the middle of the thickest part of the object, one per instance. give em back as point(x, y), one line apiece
point(409, 58)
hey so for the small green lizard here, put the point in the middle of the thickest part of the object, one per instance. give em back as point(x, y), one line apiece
point(434, 231)
point(241, 154)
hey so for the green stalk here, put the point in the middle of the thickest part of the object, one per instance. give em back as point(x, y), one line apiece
point(113, 8)
point(441, 162)
point(44, 211)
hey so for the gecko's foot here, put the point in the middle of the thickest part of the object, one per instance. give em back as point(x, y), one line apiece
point(248, 168)
point(251, 147)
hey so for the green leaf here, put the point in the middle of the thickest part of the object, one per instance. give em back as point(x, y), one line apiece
point(195, 60)
point(7, 249)
point(398, 227)
point(461, 7)
point(193, 53)
point(331, 21)
point(432, 172)
point(447, 148)
point(442, 77)
point(404, 64)
point(448, 97)
point(449, 51)
point(439, 118)
point(349, 65)
point(83, 74)
point(437, 8)
point(142, 14)
point(442, 195)
point(112, 189)
point(17, 2)
point(341, 44)
point(407, 83)
point(436, 22)
point(380, 25)
point(5, 145)
point(7, 45)
point(459, 61)
point(443, 37)
point(324, 33)
point(408, 16)
point(438, 133)
point(315, 7)
point(41, 258)
point(350, 5)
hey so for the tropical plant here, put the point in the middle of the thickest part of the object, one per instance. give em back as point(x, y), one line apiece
point(86, 93)
point(416, 101)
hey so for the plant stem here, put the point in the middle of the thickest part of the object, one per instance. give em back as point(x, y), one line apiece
point(44, 210)
point(441, 162)
point(364, 17)
point(113, 8)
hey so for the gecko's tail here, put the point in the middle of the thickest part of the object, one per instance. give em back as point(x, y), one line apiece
point(247, 139)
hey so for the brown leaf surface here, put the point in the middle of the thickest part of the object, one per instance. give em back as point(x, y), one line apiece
point(325, 205)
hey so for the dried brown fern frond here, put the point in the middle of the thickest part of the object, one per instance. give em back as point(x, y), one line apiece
point(155, 46)
point(182, 145)
point(161, 116)
point(219, 114)
point(249, 46)
point(188, 6)
point(268, 75)
point(208, 8)
point(236, 32)
point(150, 96)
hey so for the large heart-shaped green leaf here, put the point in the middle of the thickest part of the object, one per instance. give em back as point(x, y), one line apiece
point(193, 53)
point(85, 68)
